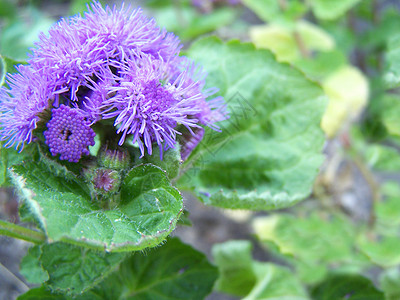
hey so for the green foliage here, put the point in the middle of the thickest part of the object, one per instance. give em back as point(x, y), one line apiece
point(382, 158)
point(172, 271)
point(388, 210)
point(170, 162)
point(41, 293)
point(310, 244)
point(283, 12)
point(61, 205)
point(7, 65)
point(346, 287)
point(31, 267)
point(67, 268)
point(10, 157)
point(390, 283)
point(392, 76)
point(330, 10)
point(235, 265)
point(267, 154)
point(283, 41)
point(240, 275)
point(19, 34)
point(187, 22)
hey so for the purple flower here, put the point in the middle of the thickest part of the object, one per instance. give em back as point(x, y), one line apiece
point(68, 134)
point(111, 64)
point(78, 49)
point(28, 95)
point(148, 106)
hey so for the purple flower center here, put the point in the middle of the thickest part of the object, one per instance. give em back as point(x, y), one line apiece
point(68, 134)
point(156, 99)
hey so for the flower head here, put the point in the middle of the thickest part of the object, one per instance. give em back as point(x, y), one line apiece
point(78, 49)
point(28, 95)
point(68, 134)
point(148, 106)
point(108, 65)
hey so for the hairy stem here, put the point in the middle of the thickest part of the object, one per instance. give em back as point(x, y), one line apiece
point(22, 233)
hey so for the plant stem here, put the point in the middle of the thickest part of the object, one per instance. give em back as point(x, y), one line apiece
point(22, 233)
point(300, 44)
point(14, 279)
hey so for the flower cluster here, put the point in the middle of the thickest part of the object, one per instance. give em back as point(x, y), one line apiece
point(109, 64)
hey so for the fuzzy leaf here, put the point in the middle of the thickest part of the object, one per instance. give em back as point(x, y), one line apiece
point(66, 268)
point(73, 269)
point(147, 213)
point(268, 152)
point(172, 271)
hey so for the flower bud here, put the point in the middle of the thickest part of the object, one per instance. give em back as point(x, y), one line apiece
point(114, 159)
point(106, 181)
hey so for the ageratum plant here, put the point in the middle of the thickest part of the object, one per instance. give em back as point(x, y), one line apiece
point(109, 120)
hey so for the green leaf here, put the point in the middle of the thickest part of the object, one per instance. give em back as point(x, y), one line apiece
point(321, 65)
point(235, 266)
point(382, 158)
point(147, 213)
point(188, 23)
point(41, 293)
point(392, 76)
point(10, 157)
point(283, 41)
point(268, 154)
point(241, 276)
point(390, 283)
point(170, 162)
point(383, 251)
point(273, 10)
point(330, 10)
point(388, 210)
point(390, 109)
point(172, 271)
point(73, 269)
point(31, 267)
point(7, 65)
point(348, 92)
point(349, 287)
point(184, 219)
point(310, 244)
point(67, 268)
point(276, 282)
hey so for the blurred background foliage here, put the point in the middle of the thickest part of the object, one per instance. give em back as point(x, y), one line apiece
point(344, 241)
